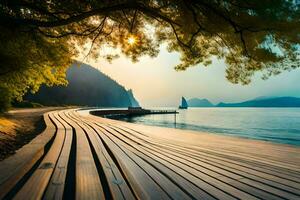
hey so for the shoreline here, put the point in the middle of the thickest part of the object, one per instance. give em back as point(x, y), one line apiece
point(217, 133)
point(153, 128)
point(266, 130)
point(209, 132)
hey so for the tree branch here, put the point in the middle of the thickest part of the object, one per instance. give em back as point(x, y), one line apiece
point(84, 33)
point(237, 28)
point(100, 11)
point(133, 20)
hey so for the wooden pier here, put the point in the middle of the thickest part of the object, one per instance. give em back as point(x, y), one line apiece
point(130, 112)
point(81, 156)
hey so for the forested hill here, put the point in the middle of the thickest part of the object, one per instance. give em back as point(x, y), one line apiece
point(87, 87)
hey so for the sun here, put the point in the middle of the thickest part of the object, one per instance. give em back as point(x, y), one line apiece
point(131, 40)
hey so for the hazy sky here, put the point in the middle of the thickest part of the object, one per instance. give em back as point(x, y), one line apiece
point(155, 82)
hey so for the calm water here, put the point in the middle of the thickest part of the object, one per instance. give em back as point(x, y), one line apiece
point(280, 125)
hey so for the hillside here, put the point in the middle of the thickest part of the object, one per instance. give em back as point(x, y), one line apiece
point(266, 102)
point(195, 102)
point(133, 101)
point(87, 87)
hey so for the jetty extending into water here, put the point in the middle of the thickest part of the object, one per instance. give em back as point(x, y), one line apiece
point(131, 111)
point(82, 156)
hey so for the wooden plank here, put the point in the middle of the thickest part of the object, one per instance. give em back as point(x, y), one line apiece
point(168, 186)
point(254, 175)
point(152, 152)
point(244, 166)
point(249, 173)
point(230, 176)
point(256, 162)
point(141, 183)
point(88, 185)
point(118, 186)
point(211, 145)
point(199, 154)
point(42, 174)
point(281, 193)
point(198, 173)
point(143, 186)
point(55, 189)
point(268, 162)
point(243, 187)
point(291, 188)
point(16, 166)
point(183, 183)
point(281, 189)
point(264, 173)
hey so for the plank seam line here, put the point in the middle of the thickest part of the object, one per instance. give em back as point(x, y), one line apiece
point(70, 183)
point(44, 192)
point(101, 174)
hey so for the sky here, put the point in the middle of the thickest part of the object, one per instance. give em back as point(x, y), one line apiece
point(155, 83)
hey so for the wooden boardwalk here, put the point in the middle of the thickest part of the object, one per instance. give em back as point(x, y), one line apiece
point(80, 156)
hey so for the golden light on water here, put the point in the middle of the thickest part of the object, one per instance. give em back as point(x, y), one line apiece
point(131, 40)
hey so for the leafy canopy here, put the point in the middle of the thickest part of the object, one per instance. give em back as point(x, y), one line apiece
point(27, 61)
point(39, 38)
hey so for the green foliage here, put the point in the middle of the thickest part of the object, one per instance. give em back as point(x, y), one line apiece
point(38, 38)
point(29, 60)
point(5, 99)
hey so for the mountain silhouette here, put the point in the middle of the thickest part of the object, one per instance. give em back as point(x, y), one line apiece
point(87, 87)
point(195, 102)
point(266, 102)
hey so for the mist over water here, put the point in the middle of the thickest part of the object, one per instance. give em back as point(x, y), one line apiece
point(279, 125)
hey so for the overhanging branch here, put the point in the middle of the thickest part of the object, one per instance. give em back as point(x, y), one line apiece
point(76, 18)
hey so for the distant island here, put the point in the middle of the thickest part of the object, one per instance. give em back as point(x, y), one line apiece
point(266, 102)
point(87, 87)
point(257, 102)
point(195, 102)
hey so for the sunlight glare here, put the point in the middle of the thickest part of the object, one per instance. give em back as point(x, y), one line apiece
point(131, 40)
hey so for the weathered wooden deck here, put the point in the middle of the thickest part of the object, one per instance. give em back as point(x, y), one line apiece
point(87, 157)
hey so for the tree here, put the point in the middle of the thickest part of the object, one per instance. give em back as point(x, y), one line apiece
point(27, 61)
point(251, 36)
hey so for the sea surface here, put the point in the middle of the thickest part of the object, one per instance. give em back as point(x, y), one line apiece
point(279, 125)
